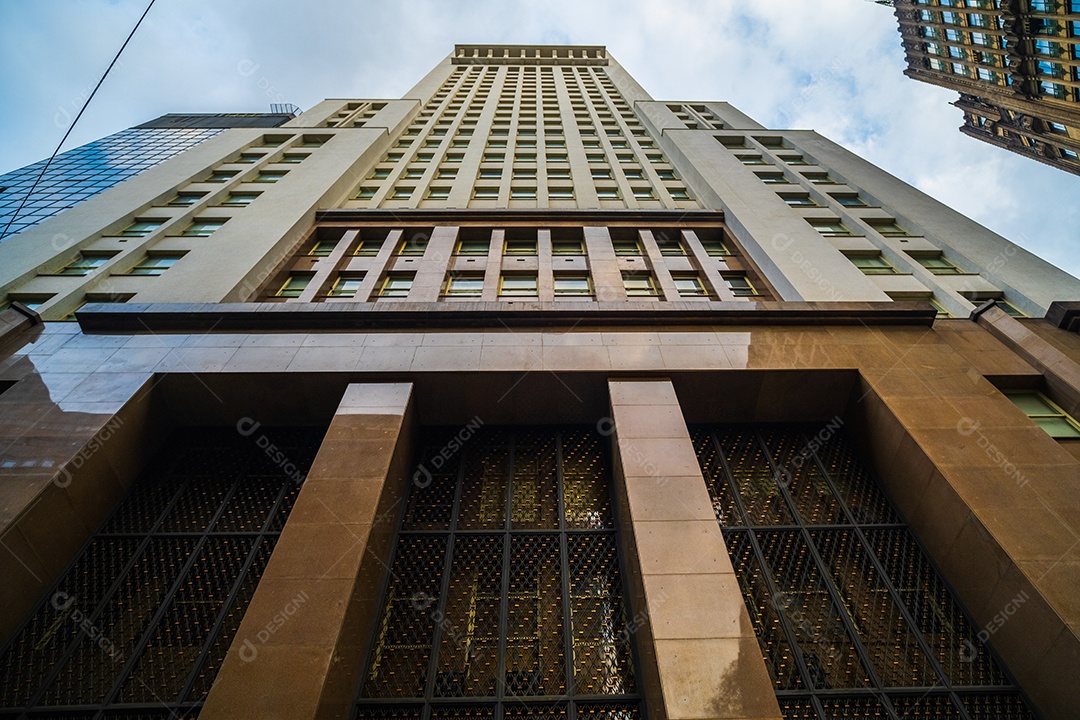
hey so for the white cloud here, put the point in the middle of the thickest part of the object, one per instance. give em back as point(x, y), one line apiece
point(834, 66)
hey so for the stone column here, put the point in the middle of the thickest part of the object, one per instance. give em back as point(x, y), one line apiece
point(699, 655)
point(299, 649)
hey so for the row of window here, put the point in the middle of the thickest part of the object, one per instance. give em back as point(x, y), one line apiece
point(474, 242)
point(517, 285)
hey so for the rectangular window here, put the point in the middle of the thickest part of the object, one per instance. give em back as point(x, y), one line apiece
point(438, 193)
point(715, 247)
point(519, 246)
point(490, 174)
point(366, 193)
point(402, 192)
point(849, 200)
point(368, 247)
point(639, 285)
point(938, 265)
point(413, 245)
point(888, 228)
point(239, 199)
point(220, 176)
point(561, 193)
point(86, 263)
point(472, 246)
point(566, 246)
point(141, 228)
point(322, 248)
point(688, 285)
point(572, 285)
point(270, 176)
point(607, 193)
point(202, 228)
point(773, 178)
point(396, 285)
point(669, 242)
point(872, 264)
point(294, 285)
point(469, 285)
point(517, 285)
point(1056, 422)
point(829, 227)
point(799, 200)
point(186, 199)
point(522, 193)
point(246, 158)
point(739, 284)
point(346, 286)
point(293, 158)
point(155, 264)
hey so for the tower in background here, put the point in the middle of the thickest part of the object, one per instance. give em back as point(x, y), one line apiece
point(1015, 64)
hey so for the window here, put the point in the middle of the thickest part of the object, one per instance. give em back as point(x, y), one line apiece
point(577, 285)
point(249, 158)
point(794, 160)
point(402, 192)
point(773, 178)
point(715, 247)
point(626, 246)
point(220, 176)
point(294, 285)
point(566, 246)
point(472, 246)
point(438, 193)
point(415, 244)
point(368, 247)
point(486, 193)
point(561, 193)
point(492, 174)
point(86, 263)
point(1010, 309)
point(366, 193)
point(396, 285)
point(639, 285)
point(446, 174)
point(141, 228)
point(1046, 414)
point(669, 242)
point(849, 200)
point(752, 160)
point(270, 176)
point(202, 228)
point(872, 264)
point(322, 248)
point(522, 193)
point(293, 158)
point(688, 285)
point(800, 200)
point(519, 246)
point(186, 199)
point(644, 193)
point(819, 178)
point(155, 264)
point(739, 284)
point(942, 312)
point(239, 199)
point(517, 285)
point(888, 228)
point(607, 193)
point(829, 227)
point(938, 265)
point(346, 286)
point(601, 174)
point(468, 285)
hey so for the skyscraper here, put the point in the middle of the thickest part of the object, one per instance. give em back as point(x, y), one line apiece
point(1014, 63)
point(528, 395)
point(28, 196)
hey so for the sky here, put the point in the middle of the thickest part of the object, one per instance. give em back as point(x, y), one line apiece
point(834, 66)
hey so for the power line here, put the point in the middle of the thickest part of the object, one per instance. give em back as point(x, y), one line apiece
point(73, 122)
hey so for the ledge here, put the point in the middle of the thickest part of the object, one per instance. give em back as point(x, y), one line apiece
point(349, 316)
point(1065, 315)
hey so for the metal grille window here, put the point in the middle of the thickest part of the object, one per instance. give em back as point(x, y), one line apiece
point(505, 593)
point(142, 620)
point(853, 619)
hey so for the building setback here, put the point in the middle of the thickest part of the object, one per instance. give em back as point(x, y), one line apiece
point(528, 395)
point(1015, 64)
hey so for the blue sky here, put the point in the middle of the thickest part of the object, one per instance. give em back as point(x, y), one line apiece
point(834, 66)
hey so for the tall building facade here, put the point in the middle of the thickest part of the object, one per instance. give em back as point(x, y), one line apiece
point(28, 196)
point(527, 395)
point(1015, 64)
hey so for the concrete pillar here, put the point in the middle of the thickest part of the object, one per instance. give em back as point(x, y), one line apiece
point(299, 650)
point(699, 655)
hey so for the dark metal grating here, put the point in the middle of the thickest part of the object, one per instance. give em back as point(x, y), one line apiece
point(852, 618)
point(140, 623)
point(505, 595)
